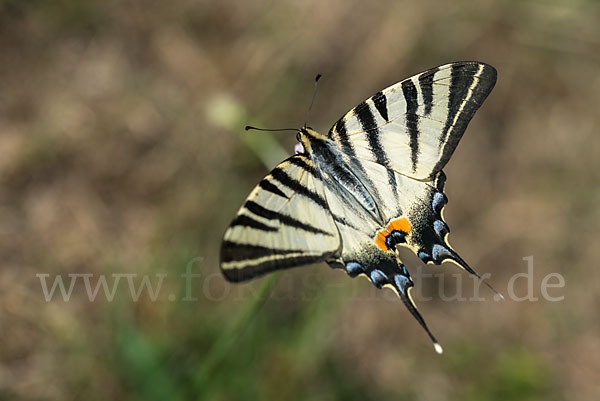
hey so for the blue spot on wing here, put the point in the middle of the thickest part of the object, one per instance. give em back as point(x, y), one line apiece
point(440, 253)
point(378, 277)
point(354, 269)
point(438, 202)
point(441, 229)
point(424, 256)
point(402, 283)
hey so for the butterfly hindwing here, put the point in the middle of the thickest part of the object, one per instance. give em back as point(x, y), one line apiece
point(285, 222)
point(413, 127)
point(369, 244)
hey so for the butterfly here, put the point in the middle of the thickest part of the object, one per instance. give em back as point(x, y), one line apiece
point(373, 183)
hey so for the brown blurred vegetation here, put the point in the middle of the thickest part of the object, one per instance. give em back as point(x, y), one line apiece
point(122, 151)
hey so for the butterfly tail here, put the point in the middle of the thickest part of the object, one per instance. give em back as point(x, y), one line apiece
point(402, 285)
point(430, 237)
point(383, 270)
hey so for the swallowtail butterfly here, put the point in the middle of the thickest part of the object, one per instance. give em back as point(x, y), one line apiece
point(372, 183)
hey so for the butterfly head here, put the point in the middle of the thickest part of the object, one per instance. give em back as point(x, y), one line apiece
point(307, 136)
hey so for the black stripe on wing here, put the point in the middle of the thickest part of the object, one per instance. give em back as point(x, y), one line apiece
point(342, 134)
point(270, 187)
point(470, 85)
point(283, 219)
point(380, 102)
point(460, 84)
point(338, 132)
point(426, 84)
point(281, 176)
point(367, 121)
point(240, 257)
point(247, 221)
point(412, 120)
point(236, 252)
point(365, 117)
point(296, 161)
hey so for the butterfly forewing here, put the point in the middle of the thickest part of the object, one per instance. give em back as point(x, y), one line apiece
point(285, 222)
point(413, 127)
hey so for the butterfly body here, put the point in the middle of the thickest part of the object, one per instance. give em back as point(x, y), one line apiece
point(334, 170)
point(372, 184)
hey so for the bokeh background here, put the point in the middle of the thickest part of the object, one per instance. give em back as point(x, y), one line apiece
point(122, 151)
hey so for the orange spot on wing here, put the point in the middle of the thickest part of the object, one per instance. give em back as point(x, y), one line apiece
point(380, 240)
point(399, 224)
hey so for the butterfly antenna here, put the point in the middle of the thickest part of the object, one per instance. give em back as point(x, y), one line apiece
point(249, 127)
point(313, 98)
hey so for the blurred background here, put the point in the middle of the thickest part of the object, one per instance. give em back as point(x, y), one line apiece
point(123, 157)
